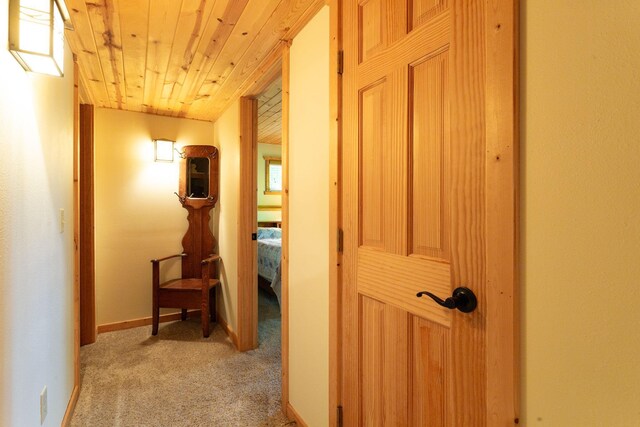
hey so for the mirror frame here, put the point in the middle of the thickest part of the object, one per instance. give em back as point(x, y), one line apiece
point(190, 151)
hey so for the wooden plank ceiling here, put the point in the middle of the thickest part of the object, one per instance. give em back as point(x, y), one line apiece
point(181, 58)
point(270, 114)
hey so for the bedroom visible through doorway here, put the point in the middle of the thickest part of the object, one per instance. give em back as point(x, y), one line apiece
point(269, 197)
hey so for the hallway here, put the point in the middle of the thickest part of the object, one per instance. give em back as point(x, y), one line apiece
point(178, 378)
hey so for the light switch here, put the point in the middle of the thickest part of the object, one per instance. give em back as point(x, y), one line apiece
point(61, 220)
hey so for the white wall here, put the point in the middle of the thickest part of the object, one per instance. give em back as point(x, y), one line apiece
point(227, 138)
point(269, 150)
point(36, 259)
point(309, 222)
point(580, 219)
point(137, 216)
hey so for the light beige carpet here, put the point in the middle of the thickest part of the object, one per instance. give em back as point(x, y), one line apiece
point(178, 378)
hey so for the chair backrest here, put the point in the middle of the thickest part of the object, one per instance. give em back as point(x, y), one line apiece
point(198, 242)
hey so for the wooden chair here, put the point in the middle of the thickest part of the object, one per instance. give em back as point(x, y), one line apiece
point(198, 193)
point(186, 293)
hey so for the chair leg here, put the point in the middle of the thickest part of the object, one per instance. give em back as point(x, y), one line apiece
point(212, 304)
point(155, 317)
point(183, 316)
point(204, 316)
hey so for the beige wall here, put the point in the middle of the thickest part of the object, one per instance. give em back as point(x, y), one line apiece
point(227, 138)
point(580, 218)
point(137, 216)
point(36, 258)
point(270, 150)
point(309, 222)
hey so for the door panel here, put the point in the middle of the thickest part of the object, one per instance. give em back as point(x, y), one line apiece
point(414, 214)
point(384, 363)
point(429, 160)
point(372, 27)
point(373, 165)
point(422, 11)
point(430, 364)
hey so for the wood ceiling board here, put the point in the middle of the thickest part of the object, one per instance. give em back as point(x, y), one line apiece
point(163, 19)
point(239, 41)
point(188, 58)
point(274, 89)
point(269, 123)
point(134, 25)
point(267, 36)
point(270, 111)
point(270, 114)
point(194, 17)
point(222, 23)
point(289, 19)
point(83, 94)
point(264, 75)
point(105, 23)
point(83, 45)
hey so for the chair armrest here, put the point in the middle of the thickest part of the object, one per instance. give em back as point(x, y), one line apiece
point(211, 259)
point(155, 269)
point(206, 270)
point(157, 260)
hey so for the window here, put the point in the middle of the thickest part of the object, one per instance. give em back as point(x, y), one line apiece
point(273, 175)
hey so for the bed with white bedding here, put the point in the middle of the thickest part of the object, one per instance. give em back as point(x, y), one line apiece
point(269, 256)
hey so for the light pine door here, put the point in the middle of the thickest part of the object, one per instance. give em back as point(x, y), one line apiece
point(428, 205)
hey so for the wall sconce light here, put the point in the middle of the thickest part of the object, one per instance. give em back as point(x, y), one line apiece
point(164, 150)
point(36, 34)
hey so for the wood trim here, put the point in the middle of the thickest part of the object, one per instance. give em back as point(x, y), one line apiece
point(266, 73)
point(71, 406)
point(335, 258)
point(502, 175)
point(293, 414)
point(267, 172)
point(247, 320)
point(76, 246)
point(284, 263)
point(144, 321)
point(269, 208)
point(227, 329)
point(87, 241)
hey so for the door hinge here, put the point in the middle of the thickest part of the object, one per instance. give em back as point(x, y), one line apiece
point(340, 240)
point(339, 416)
point(254, 236)
point(340, 61)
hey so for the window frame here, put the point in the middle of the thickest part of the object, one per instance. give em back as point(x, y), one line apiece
point(268, 161)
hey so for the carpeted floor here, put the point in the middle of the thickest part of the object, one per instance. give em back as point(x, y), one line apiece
point(178, 378)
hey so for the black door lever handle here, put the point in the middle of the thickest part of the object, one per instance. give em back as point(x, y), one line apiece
point(463, 299)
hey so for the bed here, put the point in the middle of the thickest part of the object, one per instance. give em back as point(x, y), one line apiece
point(269, 255)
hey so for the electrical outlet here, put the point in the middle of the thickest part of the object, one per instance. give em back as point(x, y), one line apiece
point(43, 405)
point(61, 220)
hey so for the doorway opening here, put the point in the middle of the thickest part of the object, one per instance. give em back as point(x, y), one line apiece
point(269, 207)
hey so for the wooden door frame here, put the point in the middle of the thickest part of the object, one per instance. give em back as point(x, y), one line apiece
point(276, 63)
point(75, 392)
point(335, 211)
point(86, 235)
point(502, 199)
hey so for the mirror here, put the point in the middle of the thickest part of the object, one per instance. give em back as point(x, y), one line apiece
point(198, 177)
point(198, 181)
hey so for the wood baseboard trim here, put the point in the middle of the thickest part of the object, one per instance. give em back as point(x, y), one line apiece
point(227, 330)
point(292, 414)
point(71, 406)
point(145, 321)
